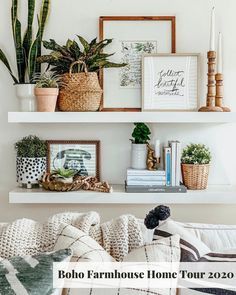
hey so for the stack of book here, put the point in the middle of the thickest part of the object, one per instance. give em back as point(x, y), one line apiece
point(145, 181)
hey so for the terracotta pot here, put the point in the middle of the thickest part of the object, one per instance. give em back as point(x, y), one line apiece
point(46, 99)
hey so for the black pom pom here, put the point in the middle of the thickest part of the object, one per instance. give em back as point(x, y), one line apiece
point(151, 221)
point(154, 216)
point(163, 212)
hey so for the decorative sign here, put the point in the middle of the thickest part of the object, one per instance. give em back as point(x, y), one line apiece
point(170, 82)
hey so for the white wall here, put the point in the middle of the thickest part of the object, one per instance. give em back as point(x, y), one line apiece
point(81, 17)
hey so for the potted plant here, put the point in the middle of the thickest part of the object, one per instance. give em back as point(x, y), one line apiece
point(140, 139)
point(27, 51)
point(31, 161)
point(64, 175)
point(46, 91)
point(195, 161)
point(79, 67)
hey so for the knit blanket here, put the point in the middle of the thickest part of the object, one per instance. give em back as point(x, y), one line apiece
point(28, 237)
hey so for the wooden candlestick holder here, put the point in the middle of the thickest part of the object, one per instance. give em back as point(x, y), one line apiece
point(220, 92)
point(211, 93)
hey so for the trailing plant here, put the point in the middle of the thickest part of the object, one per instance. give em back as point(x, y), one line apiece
point(140, 133)
point(31, 147)
point(62, 56)
point(196, 154)
point(28, 48)
point(64, 173)
point(47, 80)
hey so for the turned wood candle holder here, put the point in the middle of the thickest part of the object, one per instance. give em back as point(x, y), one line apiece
point(220, 92)
point(211, 93)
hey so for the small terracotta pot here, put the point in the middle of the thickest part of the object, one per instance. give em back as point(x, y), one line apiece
point(46, 99)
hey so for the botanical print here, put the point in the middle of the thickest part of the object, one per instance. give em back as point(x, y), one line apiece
point(132, 51)
point(70, 156)
point(170, 83)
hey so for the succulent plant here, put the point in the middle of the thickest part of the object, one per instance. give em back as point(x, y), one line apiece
point(62, 56)
point(31, 147)
point(141, 133)
point(197, 154)
point(47, 80)
point(64, 173)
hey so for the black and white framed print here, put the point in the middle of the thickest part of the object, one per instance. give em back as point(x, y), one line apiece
point(132, 37)
point(170, 82)
point(80, 155)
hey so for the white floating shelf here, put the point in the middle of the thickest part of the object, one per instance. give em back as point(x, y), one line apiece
point(121, 117)
point(213, 195)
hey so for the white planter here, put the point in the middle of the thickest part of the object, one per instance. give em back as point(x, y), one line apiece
point(29, 171)
point(25, 94)
point(139, 156)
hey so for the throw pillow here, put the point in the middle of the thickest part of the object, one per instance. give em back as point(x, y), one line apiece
point(83, 246)
point(164, 250)
point(192, 249)
point(30, 275)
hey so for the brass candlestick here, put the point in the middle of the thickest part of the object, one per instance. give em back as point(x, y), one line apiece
point(211, 93)
point(220, 92)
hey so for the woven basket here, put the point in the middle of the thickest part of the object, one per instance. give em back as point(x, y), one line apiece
point(195, 177)
point(81, 92)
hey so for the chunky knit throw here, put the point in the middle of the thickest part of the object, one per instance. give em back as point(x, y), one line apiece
point(28, 237)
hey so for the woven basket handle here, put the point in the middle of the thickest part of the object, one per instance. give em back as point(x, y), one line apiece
point(78, 62)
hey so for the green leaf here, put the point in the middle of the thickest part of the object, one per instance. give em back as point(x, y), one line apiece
point(44, 13)
point(27, 42)
point(20, 56)
point(14, 10)
point(32, 59)
point(6, 63)
point(84, 43)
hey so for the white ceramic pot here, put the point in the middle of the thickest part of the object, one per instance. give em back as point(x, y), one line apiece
point(29, 171)
point(25, 94)
point(139, 156)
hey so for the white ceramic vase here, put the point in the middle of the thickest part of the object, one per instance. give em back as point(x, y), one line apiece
point(139, 156)
point(25, 94)
point(29, 171)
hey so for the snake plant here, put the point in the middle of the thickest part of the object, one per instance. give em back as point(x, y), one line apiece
point(27, 47)
point(62, 56)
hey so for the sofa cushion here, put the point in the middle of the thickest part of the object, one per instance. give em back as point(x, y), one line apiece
point(83, 246)
point(216, 237)
point(30, 275)
point(192, 248)
point(163, 250)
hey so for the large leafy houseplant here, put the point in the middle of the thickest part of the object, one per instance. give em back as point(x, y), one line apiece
point(91, 53)
point(27, 47)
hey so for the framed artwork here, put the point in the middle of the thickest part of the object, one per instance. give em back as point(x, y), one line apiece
point(79, 155)
point(132, 37)
point(170, 82)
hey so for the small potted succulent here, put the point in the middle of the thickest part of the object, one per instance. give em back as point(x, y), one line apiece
point(79, 65)
point(195, 161)
point(64, 175)
point(46, 91)
point(139, 141)
point(31, 161)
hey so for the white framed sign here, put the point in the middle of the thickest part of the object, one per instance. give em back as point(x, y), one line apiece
point(170, 82)
point(132, 37)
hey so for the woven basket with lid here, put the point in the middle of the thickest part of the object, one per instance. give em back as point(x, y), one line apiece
point(195, 177)
point(81, 92)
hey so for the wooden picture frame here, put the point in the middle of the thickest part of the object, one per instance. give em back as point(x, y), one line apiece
point(170, 82)
point(73, 157)
point(145, 19)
